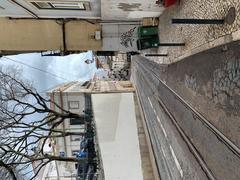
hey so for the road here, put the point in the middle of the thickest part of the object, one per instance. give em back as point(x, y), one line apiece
point(186, 145)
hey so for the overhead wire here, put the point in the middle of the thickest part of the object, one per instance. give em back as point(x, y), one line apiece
point(16, 61)
point(44, 71)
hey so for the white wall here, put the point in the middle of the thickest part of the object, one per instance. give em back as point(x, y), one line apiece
point(129, 10)
point(75, 128)
point(12, 10)
point(79, 98)
point(67, 98)
point(114, 36)
point(117, 136)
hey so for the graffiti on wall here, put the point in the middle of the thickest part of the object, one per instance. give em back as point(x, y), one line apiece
point(127, 38)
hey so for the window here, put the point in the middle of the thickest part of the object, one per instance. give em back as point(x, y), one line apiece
point(73, 104)
point(75, 152)
point(61, 5)
point(76, 137)
point(42, 5)
point(77, 121)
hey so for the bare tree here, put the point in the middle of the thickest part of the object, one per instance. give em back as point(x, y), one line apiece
point(20, 133)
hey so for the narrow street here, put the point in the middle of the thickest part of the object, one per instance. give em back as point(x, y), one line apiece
point(188, 139)
point(120, 90)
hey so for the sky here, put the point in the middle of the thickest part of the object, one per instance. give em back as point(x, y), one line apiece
point(49, 71)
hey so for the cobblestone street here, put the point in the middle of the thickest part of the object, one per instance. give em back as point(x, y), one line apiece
point(197, 37)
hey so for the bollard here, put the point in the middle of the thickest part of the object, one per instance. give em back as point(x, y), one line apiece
point(229, 19)
point(171, 44)
point(198, 21)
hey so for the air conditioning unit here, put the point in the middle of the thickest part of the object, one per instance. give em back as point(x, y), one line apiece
point(98, 35)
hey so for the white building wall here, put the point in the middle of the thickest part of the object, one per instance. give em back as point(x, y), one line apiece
point(10, 9)
point(129, 10)
point(117, 136)
point(67, 145)
point(72, 98)
point(76, 128)
point(67, 98)
point(119, 37)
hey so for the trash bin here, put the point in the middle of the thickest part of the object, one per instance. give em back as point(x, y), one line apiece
point(148, 42)
point(147, 31)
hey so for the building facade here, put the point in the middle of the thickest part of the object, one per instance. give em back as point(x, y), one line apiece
point(82, 9)
point(72, 25)
point(120, 36)
point(68, 146)
point(125, 10)
point(64, 25)
point(71, 96)
point(20, 36)
point(117, 67)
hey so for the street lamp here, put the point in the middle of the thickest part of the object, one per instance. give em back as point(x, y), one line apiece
point(171, 44)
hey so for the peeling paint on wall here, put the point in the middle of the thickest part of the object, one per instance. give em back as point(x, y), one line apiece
point(129, 7)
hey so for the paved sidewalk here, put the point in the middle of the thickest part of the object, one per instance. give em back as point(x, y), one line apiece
point(197, 37)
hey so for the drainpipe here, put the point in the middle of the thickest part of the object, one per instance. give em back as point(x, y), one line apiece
point(23, 7)
point(62, 22)
point(64, 37)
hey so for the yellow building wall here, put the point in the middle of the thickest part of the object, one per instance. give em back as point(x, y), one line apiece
point(41, 35)
point(30, 35)
point(80, 35)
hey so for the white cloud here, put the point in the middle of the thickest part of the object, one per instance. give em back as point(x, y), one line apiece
point(67, 68)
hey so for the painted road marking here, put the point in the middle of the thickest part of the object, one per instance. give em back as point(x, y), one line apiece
point(163, 152)
point(154, 112)
point(164, 132)
point(176, 161)
point(150, 102)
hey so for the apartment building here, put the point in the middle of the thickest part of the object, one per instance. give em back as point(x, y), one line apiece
point(69, 96)
point(49, 25)
point(84, 9)
point(71, 26)
point(72, 96)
